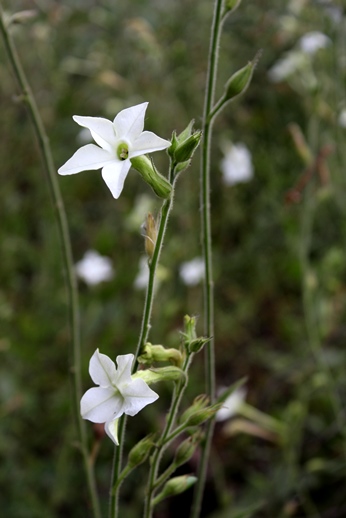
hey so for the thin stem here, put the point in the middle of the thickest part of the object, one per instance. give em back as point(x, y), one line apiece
point(163, 443)
point(61, 220)
point(207, 249)
point(143, 337)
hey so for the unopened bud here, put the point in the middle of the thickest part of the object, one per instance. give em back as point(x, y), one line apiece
point(186, 149)
point(175, 486)
point(240, 80)
point(200, 416)
point(150, 234)
point(158, 353)
point(140, 451)
point(195, 346)
point(199, 403)
point(150, 174)
point(186, 449)
point(170, 373)
point(231, 5)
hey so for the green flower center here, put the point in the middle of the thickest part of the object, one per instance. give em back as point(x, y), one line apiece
point(123, 151)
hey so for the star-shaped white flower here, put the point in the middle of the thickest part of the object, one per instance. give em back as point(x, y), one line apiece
point(118, 142)
point(118, 392)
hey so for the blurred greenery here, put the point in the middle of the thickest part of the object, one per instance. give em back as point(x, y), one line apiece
point(279, 265)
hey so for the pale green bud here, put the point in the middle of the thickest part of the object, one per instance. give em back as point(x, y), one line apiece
point(175, 486)
point(186, 149)
point(186, 449)
point(157, 353)
point(200, 416)
point(190, 328)
point(199, 403)
point(140, 452)
point(170, 373)
point(195, 346)
point(232, 5)
point(150, 175)
point(240, 80)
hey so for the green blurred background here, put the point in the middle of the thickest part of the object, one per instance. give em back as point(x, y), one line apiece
point(279, 265)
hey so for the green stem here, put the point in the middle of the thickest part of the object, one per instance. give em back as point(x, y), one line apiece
point(163, 443)
point(207, 249)
point(143, 337)
point(62, 225)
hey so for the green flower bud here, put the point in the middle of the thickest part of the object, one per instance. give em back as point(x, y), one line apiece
point(232, 5)
point(174, 144)
point(195, 346)
point(170, 373)
point(157, 353)
point(140, 452)
point(200, 416)
point(186, 133)
point(150, 174)
point(186, 149)
point(175, 486)
point(190, 328)
point(199, 403)
point(186, 449)
point(149, 229)
point(240, 80)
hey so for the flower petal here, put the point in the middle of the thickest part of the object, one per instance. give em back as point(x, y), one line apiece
point(114, 176)
point(137, 395)
point(102, 130)
point(147, 142)
point(102, 369)
point(129, 123)
point(111, 429)
point(123, 374)
point(86, 158)
point(101, 404)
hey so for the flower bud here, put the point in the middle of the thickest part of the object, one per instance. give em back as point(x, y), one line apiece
point(231, 5)
point(140, 452)
point(195, 346)
point(199, 403)
point(170, 373)
point(190, 328)
point(150, 234)
point(186, 449)
point(200, 416)
point(150, 174)
point(157, 353)
point(186, 149)
point(240, 80)
point(175, 486)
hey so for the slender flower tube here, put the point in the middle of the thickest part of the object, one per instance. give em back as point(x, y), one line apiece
point(118, 392)
point(118, 142)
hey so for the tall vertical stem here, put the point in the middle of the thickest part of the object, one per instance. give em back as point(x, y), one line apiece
point(207, 249)
point(62, 225)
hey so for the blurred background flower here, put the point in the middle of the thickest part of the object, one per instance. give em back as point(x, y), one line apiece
point(95, 268)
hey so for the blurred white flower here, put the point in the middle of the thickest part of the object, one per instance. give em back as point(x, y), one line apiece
point(342, 118)
point(141, 280)
point(118, 142)
point(236, 165)
point(118, 392)
point(289, 64)
point(231, 405)
point(192, 272)
point(313, 41)
point(94, 268)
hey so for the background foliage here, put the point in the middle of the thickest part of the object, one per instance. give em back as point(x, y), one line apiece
point(279, 266)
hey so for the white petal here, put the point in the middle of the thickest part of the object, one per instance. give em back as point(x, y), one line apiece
point(101, 369)
point(114, 176)
point(147, 142)
point(123, 374)
point(137, 395)
point(102, 130)
point(129, 123)
point(101, 404)
point(111, 429)
point(86, 158)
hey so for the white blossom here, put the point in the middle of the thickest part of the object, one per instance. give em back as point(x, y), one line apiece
point(231, 405)
point(118, 142)
point(118, 392)
point(313, 41)
point(192, 272)
point(236, 166)
point(94, 268)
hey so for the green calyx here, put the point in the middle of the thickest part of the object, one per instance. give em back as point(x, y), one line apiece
point(151, 176)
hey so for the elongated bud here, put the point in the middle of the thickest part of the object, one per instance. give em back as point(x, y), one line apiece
point(195, 346)
point(170, 373)
point(240, 80)
point(158, 353)
point(150, 174)
point(150, 234)
point(175, 486)
point(140, 451)
point(190, 328)
point(186, 449)
point(186, 149)
point(200, 416)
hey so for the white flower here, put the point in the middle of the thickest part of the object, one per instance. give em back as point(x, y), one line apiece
point(237, 166)
point(118, 392)
point(192, 272)
point(291, 63)
point(230, 406)
point(94, 268)
point(313, 41)
point(119, 141)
